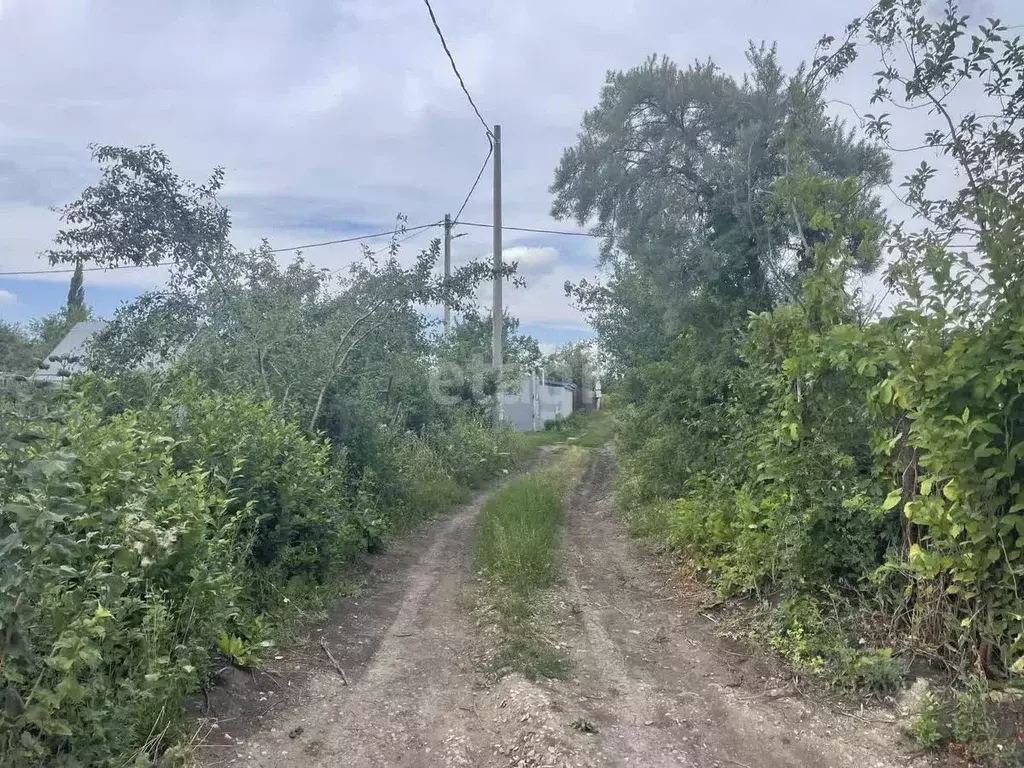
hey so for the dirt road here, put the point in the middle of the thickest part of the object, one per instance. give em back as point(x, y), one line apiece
point(652, 679)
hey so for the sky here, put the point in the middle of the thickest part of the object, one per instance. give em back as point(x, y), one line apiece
point(332, 116)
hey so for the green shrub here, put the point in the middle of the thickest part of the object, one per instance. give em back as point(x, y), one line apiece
point(145, 530)
point(812, 638)
point(928, 725)
point(962, 717)
point(135, 544)
point(118, 573)
point(472, 451)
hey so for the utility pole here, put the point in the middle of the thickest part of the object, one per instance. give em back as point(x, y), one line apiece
point(497, 313)
point(447, 271)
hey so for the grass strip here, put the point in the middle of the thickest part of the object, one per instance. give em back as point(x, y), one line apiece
point(517, 554)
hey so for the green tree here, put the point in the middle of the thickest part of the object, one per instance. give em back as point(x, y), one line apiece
point(675, 167)
point(295, 334)
point(18, 350)
point(76, 291)
point(464, 357)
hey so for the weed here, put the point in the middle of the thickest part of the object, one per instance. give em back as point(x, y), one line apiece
point(587, 429)
point(874, 671)
point(583, 725)
point(517, 552)
point(928, 726)
point(963, 717)
point(240, 652)
point(813, 640)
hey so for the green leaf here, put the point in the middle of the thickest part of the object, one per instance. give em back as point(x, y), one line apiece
point(951, 490)
point(894, 498)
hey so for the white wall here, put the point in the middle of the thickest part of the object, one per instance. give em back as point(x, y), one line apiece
point(534, 403)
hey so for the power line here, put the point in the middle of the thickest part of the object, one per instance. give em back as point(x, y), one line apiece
point(350, 239)
point(357, 238)
point(406, 238)
point(409, 233)
point(473, 188)
point(85, 269)
point(455, 69)
point(531, 229)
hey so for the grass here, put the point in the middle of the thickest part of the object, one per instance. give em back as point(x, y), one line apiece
point(587, 429)
point(517, 554)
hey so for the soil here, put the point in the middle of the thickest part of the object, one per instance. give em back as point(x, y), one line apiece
point(652, 684)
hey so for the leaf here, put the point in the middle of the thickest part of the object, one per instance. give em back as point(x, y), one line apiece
point(895, 497)
point(951, 490)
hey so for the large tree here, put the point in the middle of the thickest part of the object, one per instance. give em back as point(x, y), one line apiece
point(676, 168)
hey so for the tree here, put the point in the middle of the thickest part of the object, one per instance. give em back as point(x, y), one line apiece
point(675, 168)
point(18, 350)
point(141, 212)
point(50, 329)
point(76, 291)
point(465, 357)
point(294, 334)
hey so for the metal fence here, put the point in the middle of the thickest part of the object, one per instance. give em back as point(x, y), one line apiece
point(536, 400)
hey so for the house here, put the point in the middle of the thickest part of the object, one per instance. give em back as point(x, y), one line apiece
point(67, 357)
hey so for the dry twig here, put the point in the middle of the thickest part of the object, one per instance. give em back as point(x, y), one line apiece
point(334, 661)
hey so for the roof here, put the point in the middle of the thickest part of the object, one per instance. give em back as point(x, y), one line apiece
point(71, 346)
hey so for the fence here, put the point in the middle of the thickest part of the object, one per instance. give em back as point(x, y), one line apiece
point(537, 401)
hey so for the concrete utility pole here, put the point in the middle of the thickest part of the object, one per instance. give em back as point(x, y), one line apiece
point(497, 313)
point(447, 271)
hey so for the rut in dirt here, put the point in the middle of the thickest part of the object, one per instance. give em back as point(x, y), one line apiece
point(661, 686)
point(655, 682)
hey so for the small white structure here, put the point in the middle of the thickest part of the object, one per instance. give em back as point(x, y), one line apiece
point(536, 401)
point(67, 357)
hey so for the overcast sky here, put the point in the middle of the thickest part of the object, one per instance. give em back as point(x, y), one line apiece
point(331, 116)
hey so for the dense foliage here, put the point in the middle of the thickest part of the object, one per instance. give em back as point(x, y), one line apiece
point(792, 442)
point(253, 426)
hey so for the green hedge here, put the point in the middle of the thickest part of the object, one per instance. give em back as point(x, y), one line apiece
point(141, 535)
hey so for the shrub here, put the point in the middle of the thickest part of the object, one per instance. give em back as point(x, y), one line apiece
point(118, 572)
point(143, 530)
point(472, 451)
point(131, 543)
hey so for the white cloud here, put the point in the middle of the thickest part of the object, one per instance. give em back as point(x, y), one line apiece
point(7, 298)
point(532, 261)
point(331, 117)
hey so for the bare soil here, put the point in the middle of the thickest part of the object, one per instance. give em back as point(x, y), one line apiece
point(652, 683)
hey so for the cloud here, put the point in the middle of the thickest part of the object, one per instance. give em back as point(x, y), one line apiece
point(7, 298)
point(332, 116)
point(531, 261)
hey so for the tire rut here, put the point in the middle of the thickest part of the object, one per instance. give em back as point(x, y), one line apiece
point(413, 702)
point(660, 688)
point(654, 680)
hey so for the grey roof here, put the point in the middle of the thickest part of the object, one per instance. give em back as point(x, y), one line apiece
point(72, 345)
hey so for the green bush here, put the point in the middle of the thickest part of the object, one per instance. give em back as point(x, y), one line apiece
point(118, 571)
point(135, 544)
point(963, 717)
point(472, 451)
point(145, 529)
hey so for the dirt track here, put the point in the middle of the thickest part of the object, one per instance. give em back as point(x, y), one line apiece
point(660, 688)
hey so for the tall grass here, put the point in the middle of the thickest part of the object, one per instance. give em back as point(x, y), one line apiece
point(588, 429)
point(517, 553)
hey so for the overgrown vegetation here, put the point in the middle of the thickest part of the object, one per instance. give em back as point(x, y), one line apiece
point(586, 429)
point(517, 553)
point(253, 428)
point(863, 472)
